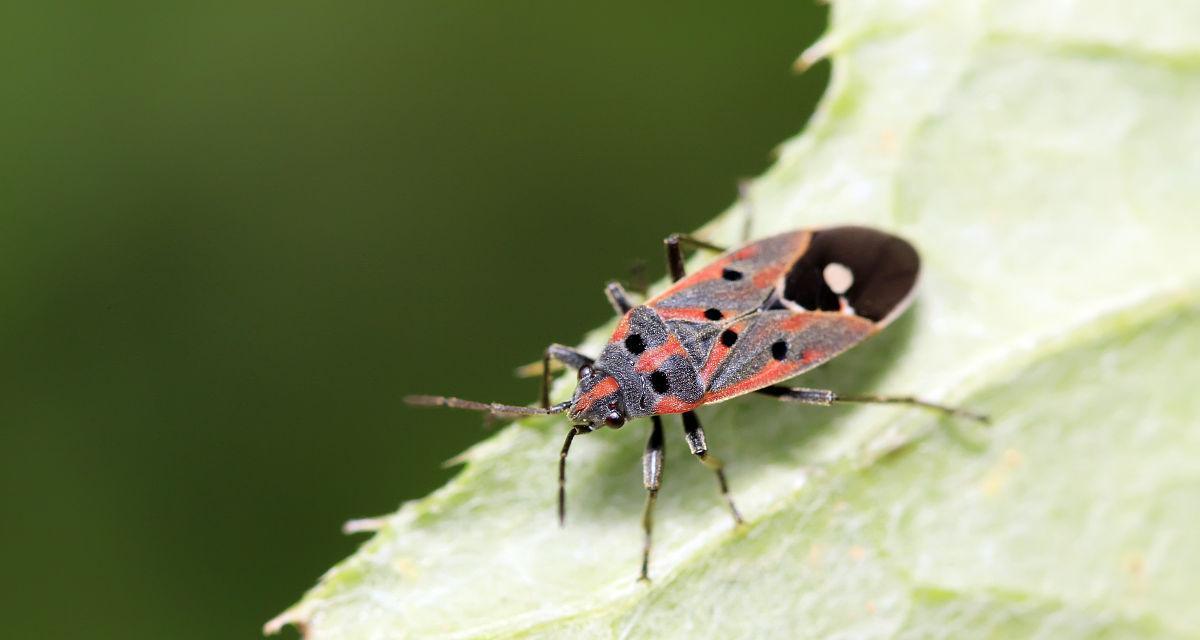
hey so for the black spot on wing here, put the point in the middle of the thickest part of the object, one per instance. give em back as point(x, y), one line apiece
point(779, 350)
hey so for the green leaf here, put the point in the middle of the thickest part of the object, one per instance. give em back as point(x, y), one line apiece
point(1045, 158)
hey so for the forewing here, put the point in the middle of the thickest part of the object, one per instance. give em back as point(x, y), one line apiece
point(772, 346)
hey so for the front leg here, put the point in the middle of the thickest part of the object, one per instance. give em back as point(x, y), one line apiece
point(618, 298)
point(565, 355)
point(694, 434)
point(620, 302)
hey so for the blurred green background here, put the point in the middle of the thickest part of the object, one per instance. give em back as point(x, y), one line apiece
point(235, 234)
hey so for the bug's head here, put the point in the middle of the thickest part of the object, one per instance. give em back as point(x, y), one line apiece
point(597, 402)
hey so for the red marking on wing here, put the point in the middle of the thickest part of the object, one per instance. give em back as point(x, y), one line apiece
point(603, 389)
point(717, 355)
point(695, 315)
point(797, 322)
point(709, 272)
point(746, 252)
point(672, 404)
point(769, 374)
point(653, 358)
point(768, 275)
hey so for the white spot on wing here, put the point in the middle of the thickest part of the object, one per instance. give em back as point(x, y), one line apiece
point(838, 277)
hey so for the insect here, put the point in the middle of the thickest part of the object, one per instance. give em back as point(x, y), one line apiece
point(755, 316)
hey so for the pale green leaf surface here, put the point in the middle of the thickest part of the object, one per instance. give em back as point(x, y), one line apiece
point(1045, 158)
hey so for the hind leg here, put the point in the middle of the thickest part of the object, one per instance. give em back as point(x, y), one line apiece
point(825, 397)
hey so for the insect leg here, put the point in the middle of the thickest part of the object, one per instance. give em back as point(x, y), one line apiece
point(675, 254)
point(565, 355)
point(694, 434)
point(824, 397)
point(618, 297)
point(652, 469)
point(562, 473)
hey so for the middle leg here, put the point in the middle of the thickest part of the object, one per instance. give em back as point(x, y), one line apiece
point(652, 468)
point(675, 240)
point(694, 434)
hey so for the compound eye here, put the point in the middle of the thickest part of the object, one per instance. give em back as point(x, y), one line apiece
point(585, 372)
point(615, 419)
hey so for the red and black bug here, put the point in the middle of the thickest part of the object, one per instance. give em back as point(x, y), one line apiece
point(757, 315)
